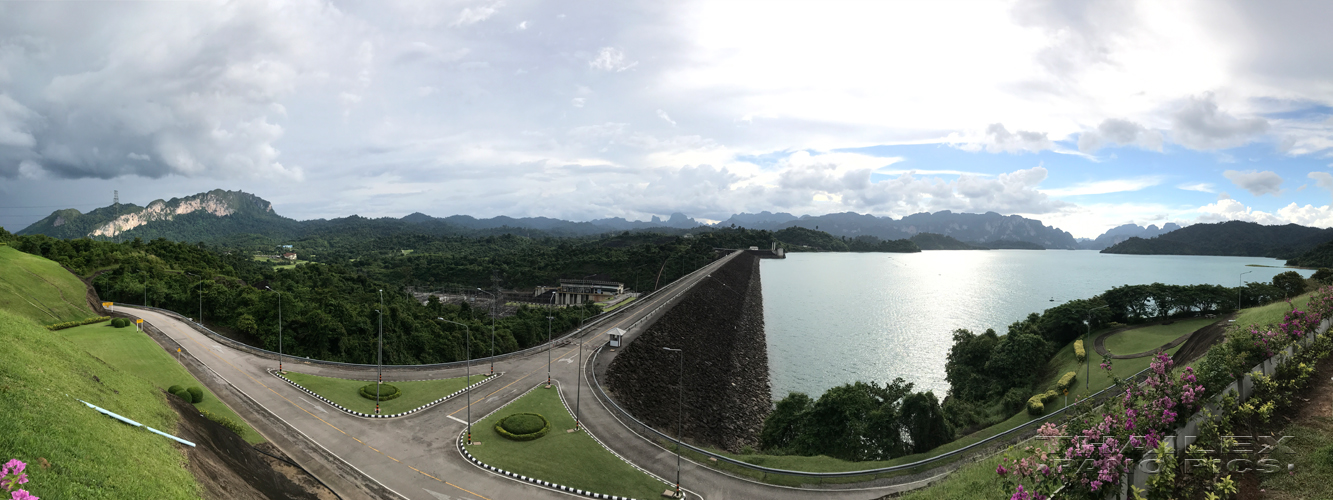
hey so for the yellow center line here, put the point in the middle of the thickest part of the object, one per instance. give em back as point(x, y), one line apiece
point(284, 398)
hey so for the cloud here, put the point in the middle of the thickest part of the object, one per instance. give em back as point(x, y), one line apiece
point(663, 115)
point(1202, 187)
point(1108, 186)
point(1257, 183)
point(1114, 131)
point(611, 59)
point(1322, 179)
point(997, 139)
point(1229, 209)
point(1199, 124)
point(476, 14)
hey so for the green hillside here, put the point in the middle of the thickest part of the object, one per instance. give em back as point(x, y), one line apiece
point(88, 455)
point(39, 289)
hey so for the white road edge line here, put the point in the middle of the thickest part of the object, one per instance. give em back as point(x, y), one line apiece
point(456, 419)
point(313, 405)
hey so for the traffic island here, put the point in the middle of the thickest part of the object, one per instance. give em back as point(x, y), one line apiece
point(569, 462)
point(356, 397)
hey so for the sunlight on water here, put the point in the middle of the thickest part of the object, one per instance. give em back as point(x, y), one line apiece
point(833, 318)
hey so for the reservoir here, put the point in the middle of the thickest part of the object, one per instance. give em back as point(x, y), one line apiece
point(834, 318)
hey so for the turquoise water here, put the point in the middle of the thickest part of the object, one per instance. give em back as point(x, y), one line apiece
point(834, 318)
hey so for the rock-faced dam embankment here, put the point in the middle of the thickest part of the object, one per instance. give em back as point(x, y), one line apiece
point(719, 324)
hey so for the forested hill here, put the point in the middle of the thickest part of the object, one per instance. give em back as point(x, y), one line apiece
point(1231, 238)
point(1319, 256)
point(972, 228)
point(932, 241)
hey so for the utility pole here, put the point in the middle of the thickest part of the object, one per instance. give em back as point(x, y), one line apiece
point(1240, 282)
point(379, 358)
point(467, 331)
point(680, 413)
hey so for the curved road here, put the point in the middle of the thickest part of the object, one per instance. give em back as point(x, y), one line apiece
point(415, 456)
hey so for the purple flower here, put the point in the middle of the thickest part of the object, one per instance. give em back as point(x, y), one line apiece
point(22, 495)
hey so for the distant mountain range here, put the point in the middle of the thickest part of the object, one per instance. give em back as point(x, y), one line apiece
point(220, 215)
point(1121, 233)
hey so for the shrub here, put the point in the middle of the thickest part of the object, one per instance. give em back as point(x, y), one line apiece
point(523, 426)
point(1066, 381)
point(1013, 400)
point(72, 324)
point(1035, 406)
point(387, 392)
point(1080, 353)
point(120, 323)
point(180, 392)
point(196, 395)
point(175, 388)
point(230, 424)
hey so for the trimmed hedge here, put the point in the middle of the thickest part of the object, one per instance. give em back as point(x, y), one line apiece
point(196, 395)
point(522, 421)
point(1080, 353)
point(1066, 381)
point(180, 392)
point(387, 392)
point(72, 324)
point(175, 388)
point(120, 322)
point(1037, 403)
point(224, 421)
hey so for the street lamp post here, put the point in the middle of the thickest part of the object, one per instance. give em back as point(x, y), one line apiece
point(494, 312)
point(549, 316)
point(280, 327)
point(1240, 282)
point(467, 331)
point(680, 413)
point(1087, 357)
point(379, 357)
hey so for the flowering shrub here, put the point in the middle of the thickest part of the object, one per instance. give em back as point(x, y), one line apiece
point(11, 476)
point(1079, 353)
point(1037, 404)
point(1092, 452)
point(1066, 381)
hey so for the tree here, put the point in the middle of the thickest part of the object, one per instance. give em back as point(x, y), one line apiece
point(1323, 276)
point(925, 421)
point(1018, 359)
point(783, 425)
point(965, 368)
point(1291, 283)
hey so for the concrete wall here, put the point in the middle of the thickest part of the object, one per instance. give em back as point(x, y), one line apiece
point(720, 326)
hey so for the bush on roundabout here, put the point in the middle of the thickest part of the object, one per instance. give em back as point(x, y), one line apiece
point(387, 392)
point(523, 426)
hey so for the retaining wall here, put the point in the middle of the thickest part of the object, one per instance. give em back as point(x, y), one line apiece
point(719, 325)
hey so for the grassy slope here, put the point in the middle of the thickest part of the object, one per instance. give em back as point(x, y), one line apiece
point(1151, 337)
point(92, 456)
point(136, 353)
point(1271, 313)
point(39, 289)
point(346, 392)
point(572, 459)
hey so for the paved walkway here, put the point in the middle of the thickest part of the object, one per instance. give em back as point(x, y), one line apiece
point(415, 456)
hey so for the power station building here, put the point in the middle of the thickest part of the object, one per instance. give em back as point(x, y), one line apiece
point(580, 291)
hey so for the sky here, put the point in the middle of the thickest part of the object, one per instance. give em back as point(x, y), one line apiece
point(1082, 114)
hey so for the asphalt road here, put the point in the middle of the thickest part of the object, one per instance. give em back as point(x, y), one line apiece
point(415, 456)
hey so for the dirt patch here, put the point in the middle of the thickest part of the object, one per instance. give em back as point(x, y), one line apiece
point(1202, 340)
point(227, 467)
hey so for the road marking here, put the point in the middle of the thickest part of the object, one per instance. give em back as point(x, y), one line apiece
point(456, 419)
point(493, 399)
point(313, 405)
point(440, 496)
point(566, 360)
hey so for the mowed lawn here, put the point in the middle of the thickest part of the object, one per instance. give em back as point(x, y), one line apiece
point(1271, 313)
point(40, 290)
point(347, 392)
point(1151, 337)
point(134, 352)
point(569, 458)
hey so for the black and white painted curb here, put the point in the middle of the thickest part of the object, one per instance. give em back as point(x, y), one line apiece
point(354, 413)
point(462, 449)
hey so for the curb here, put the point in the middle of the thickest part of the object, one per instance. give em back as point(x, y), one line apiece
point(394, 415)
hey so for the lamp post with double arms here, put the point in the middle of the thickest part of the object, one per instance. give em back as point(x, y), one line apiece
point(680, 413)
point(549, 316)
point(468, 379)
point(494, 313)
point(379, 357)
point(201, 296)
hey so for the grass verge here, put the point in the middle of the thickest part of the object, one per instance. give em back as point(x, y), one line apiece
point(136, 353)
point(569, 458)
point(39, 289)
point(345, 392)
point(1151, 337)
point(1271, 313)
point(91, 456)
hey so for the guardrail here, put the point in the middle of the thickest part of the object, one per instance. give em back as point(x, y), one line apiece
point(577, 332)
point(649, 433)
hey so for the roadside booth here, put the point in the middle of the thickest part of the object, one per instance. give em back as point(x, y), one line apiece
point(617, 335)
